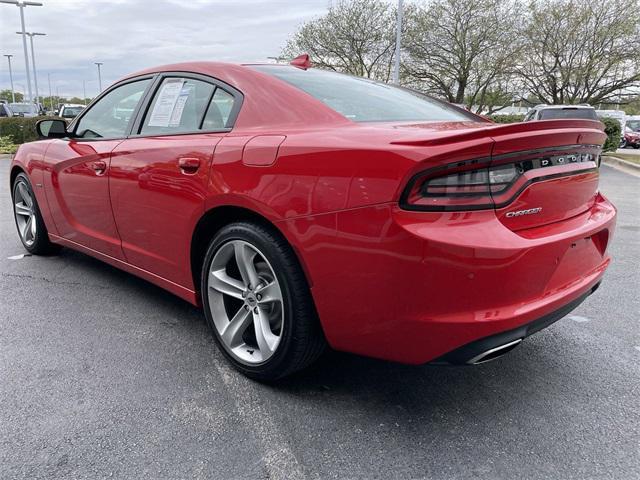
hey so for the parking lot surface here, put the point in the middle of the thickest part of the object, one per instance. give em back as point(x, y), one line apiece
point(104, 375)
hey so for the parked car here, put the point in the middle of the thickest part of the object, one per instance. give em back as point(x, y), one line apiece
point(555, 112)
point(5, 110)
point(70, 110)
point(630, 137)
point(301, 207)
point(24, 109)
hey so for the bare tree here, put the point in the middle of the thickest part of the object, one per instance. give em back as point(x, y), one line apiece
point(581, 52)
point(356, 37)
point(464, 51)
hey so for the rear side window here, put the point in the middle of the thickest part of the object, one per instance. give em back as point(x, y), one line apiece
point(559, 113)
point(183, 105)
point(219, 111)
point(363, 100)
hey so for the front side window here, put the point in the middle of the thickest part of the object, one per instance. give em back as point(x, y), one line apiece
point(110, 116)
point(363, 100)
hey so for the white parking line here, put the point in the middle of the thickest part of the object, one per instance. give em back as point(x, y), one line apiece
point(19, 257)
point(638, 347)
point(280, 462)
point(579, 319)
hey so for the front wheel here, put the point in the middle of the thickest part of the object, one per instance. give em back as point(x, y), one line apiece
point(257, 302)
point(31, 227)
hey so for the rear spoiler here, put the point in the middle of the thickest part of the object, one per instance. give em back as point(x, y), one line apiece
point(578, 126)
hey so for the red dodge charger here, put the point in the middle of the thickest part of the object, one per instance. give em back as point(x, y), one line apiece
point(303, 208)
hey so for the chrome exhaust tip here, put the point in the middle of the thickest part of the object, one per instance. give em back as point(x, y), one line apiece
point(494, 353)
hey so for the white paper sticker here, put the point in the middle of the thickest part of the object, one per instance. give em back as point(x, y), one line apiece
point(176, 115)
point(162, 113)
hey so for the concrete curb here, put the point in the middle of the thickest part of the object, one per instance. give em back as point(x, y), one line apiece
point(620, 164)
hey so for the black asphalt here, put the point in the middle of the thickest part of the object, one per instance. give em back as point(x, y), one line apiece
point(103, 375)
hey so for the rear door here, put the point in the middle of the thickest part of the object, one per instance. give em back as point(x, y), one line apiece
point(159, 175)
point(76, 177)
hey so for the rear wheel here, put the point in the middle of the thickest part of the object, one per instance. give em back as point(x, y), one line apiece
point(31, 227)
point(257, 302)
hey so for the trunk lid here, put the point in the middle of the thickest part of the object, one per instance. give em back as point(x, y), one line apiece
point(556, 163)
point(559, 164)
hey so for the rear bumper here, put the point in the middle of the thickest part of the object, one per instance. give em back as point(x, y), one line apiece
point(475, 352)
point(413, 287)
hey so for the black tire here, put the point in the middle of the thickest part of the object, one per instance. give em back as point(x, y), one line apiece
point(40, 244)
point(623, 144)
point(636, 146)
point(302, 339)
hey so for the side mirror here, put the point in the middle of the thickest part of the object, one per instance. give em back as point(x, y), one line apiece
point(52, 129)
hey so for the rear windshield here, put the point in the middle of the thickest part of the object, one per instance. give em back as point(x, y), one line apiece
point(553, 113)
point(22, 108)
point(71, 111)
point(363, 100)
point(634, 125)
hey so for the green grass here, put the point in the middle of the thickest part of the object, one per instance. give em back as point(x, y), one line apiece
point(7, 146)
point(629, 157)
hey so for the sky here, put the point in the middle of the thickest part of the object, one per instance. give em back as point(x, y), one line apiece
point(129, 35)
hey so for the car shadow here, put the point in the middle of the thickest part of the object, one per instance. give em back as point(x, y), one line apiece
point(517, 375)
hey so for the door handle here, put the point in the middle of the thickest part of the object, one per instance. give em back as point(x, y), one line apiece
point(99, 167)
point(189, 165)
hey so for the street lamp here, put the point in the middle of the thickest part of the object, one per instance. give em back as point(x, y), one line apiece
point(98, 64)
point(33, 59)
point(13, 94)
point(50, 95)
point(21, 4)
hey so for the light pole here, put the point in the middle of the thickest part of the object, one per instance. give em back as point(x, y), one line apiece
point(99, 76)
point(33, 59)
point(396, 66)
point(50, 95)
point(13, 93)
point(84, 91)
point(21, 4)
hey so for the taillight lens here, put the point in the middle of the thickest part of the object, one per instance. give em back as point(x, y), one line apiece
point(474, 185)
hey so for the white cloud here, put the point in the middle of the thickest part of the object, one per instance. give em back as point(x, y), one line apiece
point(129, 35)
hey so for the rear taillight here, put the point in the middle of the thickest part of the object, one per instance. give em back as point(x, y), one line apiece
point(481, 184)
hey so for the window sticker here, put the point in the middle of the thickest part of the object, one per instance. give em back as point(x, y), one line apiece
point(178, 109)
point(162, 113)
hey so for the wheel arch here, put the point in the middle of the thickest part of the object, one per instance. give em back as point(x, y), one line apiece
point(215, 219)
point(15, 171)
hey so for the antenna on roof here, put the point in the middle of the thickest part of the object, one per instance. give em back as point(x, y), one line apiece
point(301, 61)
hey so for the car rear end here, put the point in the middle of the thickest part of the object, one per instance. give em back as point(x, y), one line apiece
point(521, 236)
point(496, 232)
point(459, 236)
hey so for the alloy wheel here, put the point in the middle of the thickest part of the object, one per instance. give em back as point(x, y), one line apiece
point(25, 213)
point(246, 302)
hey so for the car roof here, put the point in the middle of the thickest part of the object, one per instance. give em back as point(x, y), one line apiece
point(73, 105)
point(267, 102)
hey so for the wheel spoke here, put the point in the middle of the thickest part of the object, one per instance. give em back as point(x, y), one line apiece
point(232, 333)
point(33, 226)
point(267, 341)
point(223, 283)
point(24, 193)
point(244, 259)
point(23, 210)
point(270, 293)
point(27, 230)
